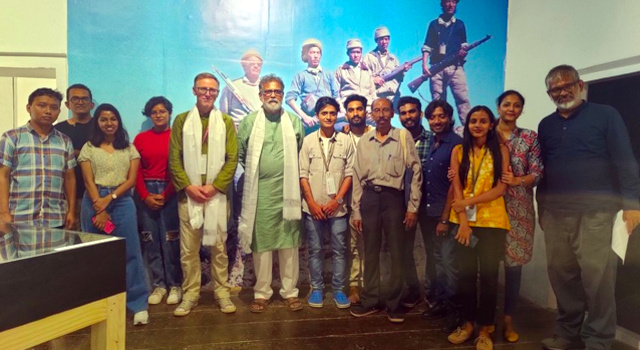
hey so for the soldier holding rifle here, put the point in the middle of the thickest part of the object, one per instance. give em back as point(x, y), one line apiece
point(240, 96)
point(447, 37)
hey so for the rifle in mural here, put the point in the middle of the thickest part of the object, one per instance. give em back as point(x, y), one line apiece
point(440, 66)
point(245, 104)
point(400, 69)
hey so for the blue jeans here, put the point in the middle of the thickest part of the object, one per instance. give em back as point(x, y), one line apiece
point(123, 215)
point(316, 230)
point(160, 238)
point(444, 248)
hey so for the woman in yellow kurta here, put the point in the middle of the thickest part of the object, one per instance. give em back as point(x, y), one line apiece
point(479, 210)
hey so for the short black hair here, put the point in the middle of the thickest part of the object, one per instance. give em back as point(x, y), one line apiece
point(154, 101)
point(409, 99)
point(355, 97)
point(446, 108)
point(79, 86)
point(45, 92)
point(326, 101)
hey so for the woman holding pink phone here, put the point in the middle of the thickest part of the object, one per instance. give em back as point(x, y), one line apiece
point(109, 164)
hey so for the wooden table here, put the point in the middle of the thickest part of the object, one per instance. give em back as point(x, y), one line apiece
point(61, 289)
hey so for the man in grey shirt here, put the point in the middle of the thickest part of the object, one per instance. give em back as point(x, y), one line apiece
point(382, 157)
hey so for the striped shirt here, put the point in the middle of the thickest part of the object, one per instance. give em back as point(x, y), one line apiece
point(38, 166)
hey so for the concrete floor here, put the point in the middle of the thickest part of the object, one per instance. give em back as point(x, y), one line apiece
point(327, 328)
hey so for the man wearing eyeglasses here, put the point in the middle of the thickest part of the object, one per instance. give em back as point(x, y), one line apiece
point(268, 144)
point(590, 174)
point(78, 128)
point(203, 155)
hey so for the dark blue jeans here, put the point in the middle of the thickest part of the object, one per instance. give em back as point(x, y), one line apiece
point(160, 238)
point(441, 255)
point(316, 230)
point(123, 215)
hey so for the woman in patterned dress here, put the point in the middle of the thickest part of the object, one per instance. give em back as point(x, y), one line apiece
point(524, 173)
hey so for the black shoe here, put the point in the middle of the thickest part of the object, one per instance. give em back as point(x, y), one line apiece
point(452, 321)
point(436, 312)
point(362, 311)
point(410, 302)
point(558, 343)
point(395, 317)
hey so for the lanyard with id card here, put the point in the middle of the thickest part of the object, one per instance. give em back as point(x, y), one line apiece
point(472, 210)
point(330, 184)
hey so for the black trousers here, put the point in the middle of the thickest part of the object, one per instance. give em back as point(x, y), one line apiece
point(484, 258)
point(382, 210)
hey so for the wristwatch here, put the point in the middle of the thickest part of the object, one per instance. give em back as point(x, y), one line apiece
point(114, 196)
point(340, 200)
point(444, 222)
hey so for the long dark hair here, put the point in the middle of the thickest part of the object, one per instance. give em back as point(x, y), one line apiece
point(121, 140)
point(493, 146)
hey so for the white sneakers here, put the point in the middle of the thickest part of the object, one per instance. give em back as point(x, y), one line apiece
point(175, 296)
point(141, 318)
point(185, 308)
point(226, 305)
point(156, 296)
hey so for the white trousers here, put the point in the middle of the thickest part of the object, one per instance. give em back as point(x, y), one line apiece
point(289, 265)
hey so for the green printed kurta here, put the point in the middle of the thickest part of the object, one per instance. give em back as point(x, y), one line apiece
point(271, 231)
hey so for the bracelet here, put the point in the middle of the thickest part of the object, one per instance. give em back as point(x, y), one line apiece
point(444, 222)
point(522, 181)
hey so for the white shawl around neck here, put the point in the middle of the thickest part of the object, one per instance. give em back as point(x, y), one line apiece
point(292, 209)
point(213, 213)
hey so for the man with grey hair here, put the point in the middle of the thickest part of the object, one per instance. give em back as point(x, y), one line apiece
point(590, 174)
point(268, 144)
point(353, 76)
point(380, 62)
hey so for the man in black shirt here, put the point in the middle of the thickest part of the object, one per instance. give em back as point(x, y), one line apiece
point(78, 128)
point(590, 174)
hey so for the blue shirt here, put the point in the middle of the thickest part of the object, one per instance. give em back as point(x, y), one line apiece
point(450, 37)
point(435, 183)
point(37, 172)
point(310, 87)
point(588, 161)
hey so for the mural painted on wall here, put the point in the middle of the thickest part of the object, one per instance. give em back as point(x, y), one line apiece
point(129, 51)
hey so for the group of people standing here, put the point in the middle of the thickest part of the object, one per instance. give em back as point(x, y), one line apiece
point(246, 172)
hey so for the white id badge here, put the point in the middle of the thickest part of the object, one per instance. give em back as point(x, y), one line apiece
point(471, 211)
point(203, 164)
point(443, 49)
point(331, 185)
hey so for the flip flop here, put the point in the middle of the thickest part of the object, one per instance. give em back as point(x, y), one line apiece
point(293, 304)
point(258, 305)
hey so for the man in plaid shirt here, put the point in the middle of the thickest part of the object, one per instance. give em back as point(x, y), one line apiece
point(37, 180)
point(409, 110)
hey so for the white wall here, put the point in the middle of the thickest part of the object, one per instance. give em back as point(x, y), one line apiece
point(33, 43)
point(601, 38)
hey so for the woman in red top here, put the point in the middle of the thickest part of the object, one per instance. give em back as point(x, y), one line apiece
point(158, 205)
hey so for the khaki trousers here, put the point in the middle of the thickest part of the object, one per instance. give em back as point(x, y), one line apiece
point(190, 241)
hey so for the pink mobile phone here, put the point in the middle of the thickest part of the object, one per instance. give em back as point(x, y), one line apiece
point(108, 226)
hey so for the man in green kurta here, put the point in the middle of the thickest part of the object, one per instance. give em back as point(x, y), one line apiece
point(268, 144)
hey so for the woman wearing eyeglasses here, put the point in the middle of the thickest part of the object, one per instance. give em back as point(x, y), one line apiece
point(158, 204)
